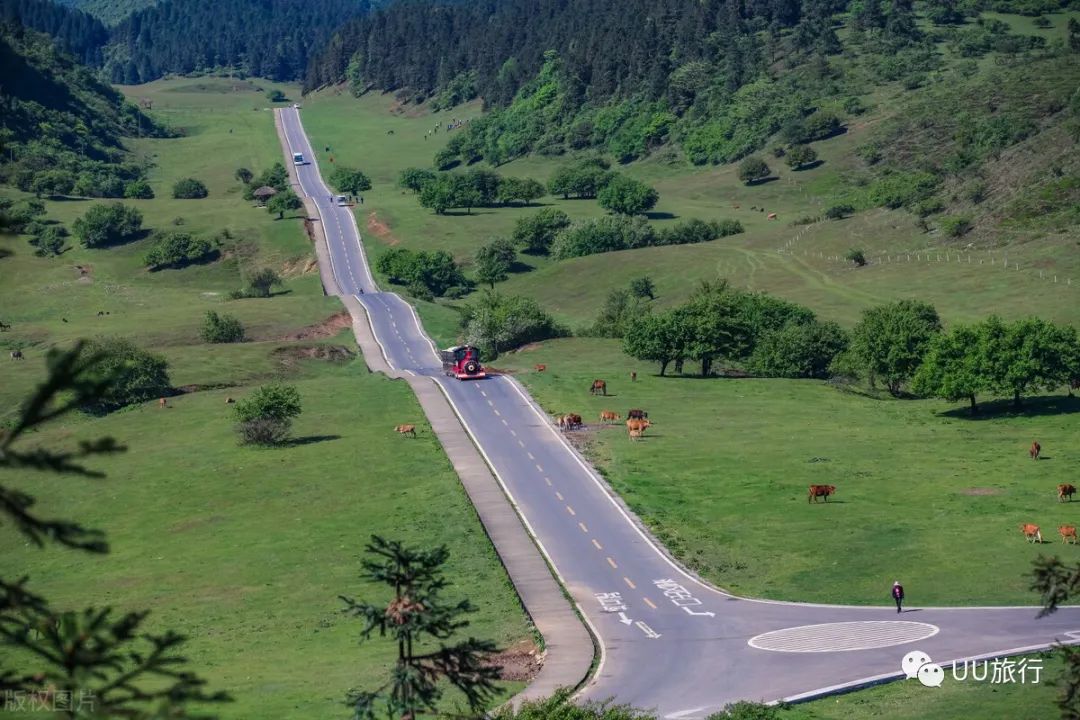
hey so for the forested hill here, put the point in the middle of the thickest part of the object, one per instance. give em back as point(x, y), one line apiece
point(109, 12)
point(77, 32)
point(268, 38)
point(63, 127)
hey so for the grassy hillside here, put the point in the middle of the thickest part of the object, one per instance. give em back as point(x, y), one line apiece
point(245, 550)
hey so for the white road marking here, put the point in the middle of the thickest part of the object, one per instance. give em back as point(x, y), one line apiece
point(559, 495)
point(624, 620)
point(685, 713)
point(649, 632)
point(530, 455)
point(596, 544)
point(630, 583)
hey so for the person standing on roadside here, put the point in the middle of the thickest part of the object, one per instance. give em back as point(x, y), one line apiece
point(898, 594)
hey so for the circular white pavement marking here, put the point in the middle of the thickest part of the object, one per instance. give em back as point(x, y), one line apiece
point(842, 636)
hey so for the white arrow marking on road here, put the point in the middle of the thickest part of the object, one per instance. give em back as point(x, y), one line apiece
point(649, 632)
point(623, 619)
point(707, 612)
point(684, 713)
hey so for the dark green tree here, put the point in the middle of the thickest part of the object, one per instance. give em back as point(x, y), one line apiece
point(627, 196)
point(955, 366)
point(244, 175)
point(262, 281)
point(798, 350)
point(135, 375)
point(494, 261)
point(49, 240)
point(423, 626)
point(799, 156)
point(415, 178)
point(221, 328)
point(535, 233)
point(283, 202)
point(177, 249)
point(663, 338)
point(138, 190)
point(643, 287)
point(265, 418)
point(890, 341)
point(189, 189)
point(1027, 355)
point(108, 224)
point(753, 169)
point(349, 180)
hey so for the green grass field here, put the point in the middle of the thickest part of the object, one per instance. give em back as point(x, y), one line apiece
point(245, 550)
point(923, 493)
point(909, 700)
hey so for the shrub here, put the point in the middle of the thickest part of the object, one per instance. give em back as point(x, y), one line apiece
point(598, 235)
point(189, 189)
point(285, 201)
point(798, 156)
point(903, 188)
point(52, 182)
point(798, 350)
point(261, 282)
point(414, 178)
point(138, 190)
point(927, 207)
point(697, 231)
point(48, 240)
point(243, 175)
point(349, 181)
point(955, 226)
point(139, 375)
point(838, 212)
point(266, 416)
point(498, 322)
point(856, 256)
point(221, 328)
point(535, 233)
point(626, 196)
point(177, 249)
point(107, 224)
point(753, 169)
point(643, 287)
point(435, 271)
point(275, 96)
point(870, 153)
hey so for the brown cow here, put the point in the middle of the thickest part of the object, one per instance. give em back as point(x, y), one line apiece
point(1036, 448)
point(598, 386)
point(569, 421)
point(639, 425)
point(1031, 532)
point(637, 414)
point(162, 402)
point(575, 421)
point(633, 376)
point(817, 491)
point(635, 435)
point(1068, 532)
point(1065, 490)
point(540, 367)
point(608, 416)
point(409, 430)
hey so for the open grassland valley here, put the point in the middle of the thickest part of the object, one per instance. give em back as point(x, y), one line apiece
point(788, 292)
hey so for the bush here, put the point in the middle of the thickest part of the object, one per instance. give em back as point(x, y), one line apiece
point(107, 224)
point(48, 240)
point(414, 178)
point(261, 282)
point(535, 233)
point(494, 261)
point(52, 182)
point(177, 249)
point(643, 287)
point(139, 375)
point(138, 190)
point(955, 226)
point(620, 310)
point(499, 322)
point(798, 156)
point(927, 207)
point(903, 188)
point(189, 189)
point(697, 231)
point(221, 328)
point(838, 212)
point(798, 350)
point(744, 710)
point(15, 216)
point(870, 153)
point(753, 169)
point(275, 96)
point(285, 201)
point(243, 175)
point(435, 271)
point(626, 196)
point(349, 181)
point(606, 234)
point(856, 256)
point(266, 416)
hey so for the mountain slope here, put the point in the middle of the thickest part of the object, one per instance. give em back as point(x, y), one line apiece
point(75, 31)
point(109, 12)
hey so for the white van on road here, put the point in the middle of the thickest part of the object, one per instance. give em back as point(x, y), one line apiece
point(298, 159)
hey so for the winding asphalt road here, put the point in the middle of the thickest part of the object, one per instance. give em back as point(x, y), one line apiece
point(669, 642)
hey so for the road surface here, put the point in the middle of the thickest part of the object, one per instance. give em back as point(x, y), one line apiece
point(669, 642)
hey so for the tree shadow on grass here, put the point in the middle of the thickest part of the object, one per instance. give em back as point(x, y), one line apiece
point(810, 165)
point(519, 267)
point(661, 215)
point(763, 181)
point(307, 440)
point(1032, 407)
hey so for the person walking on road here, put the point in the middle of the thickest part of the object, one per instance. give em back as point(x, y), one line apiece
point(898, 594)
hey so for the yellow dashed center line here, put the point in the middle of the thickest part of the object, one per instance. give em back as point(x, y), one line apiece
point(611, 563)
point(597, 545)
point(630, 583)
point(650, 603)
